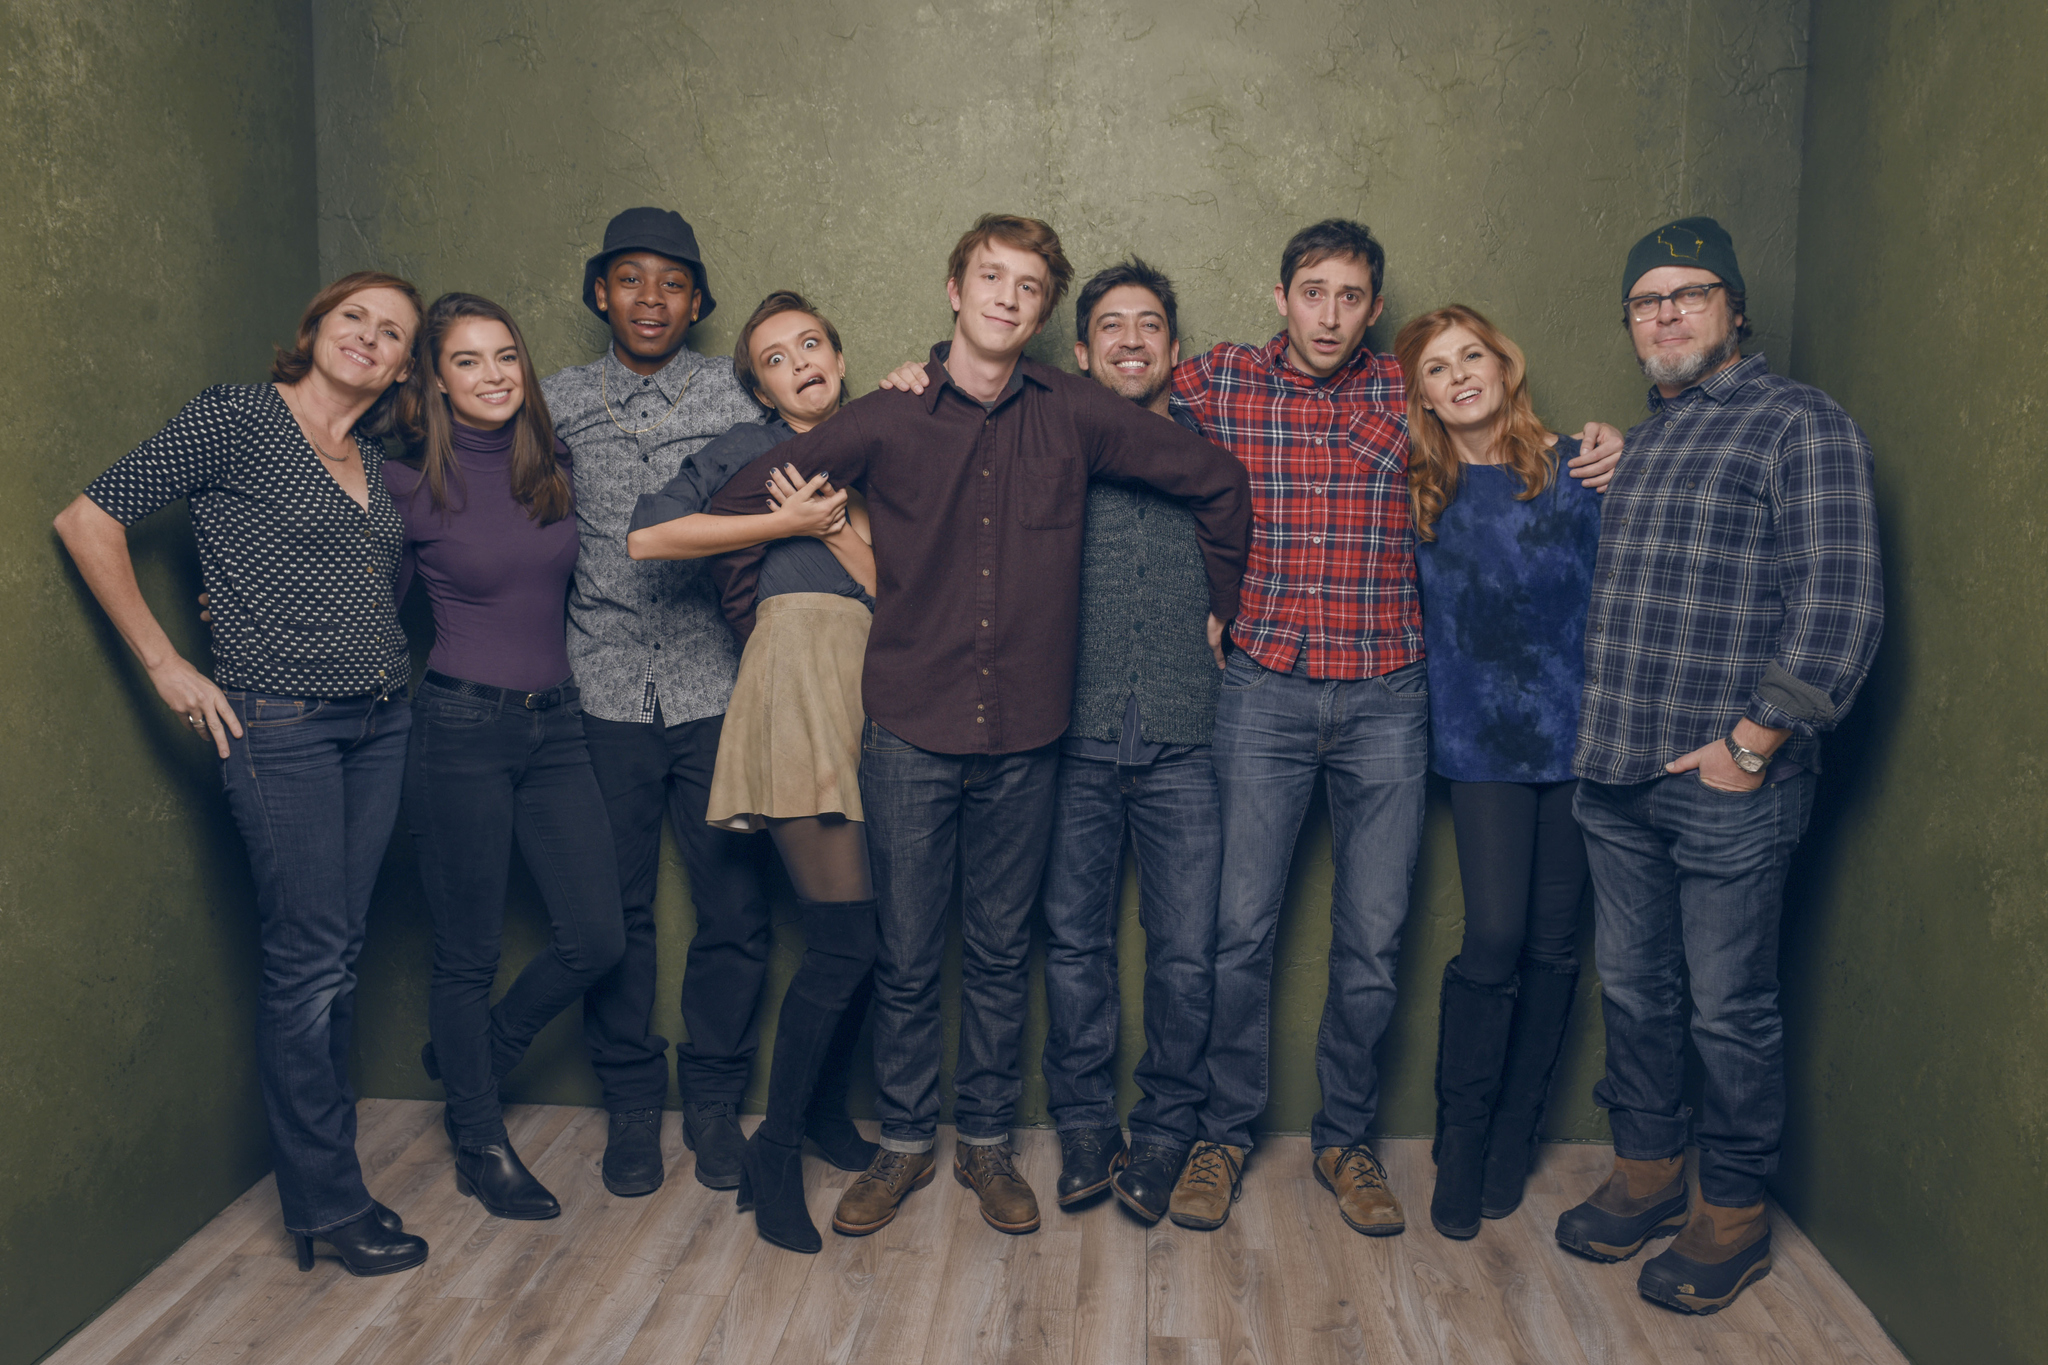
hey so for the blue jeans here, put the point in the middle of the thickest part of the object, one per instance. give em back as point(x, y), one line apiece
point(986, 818)
point(1176, 824)
point(478, 774)
point(313, 786)
point(1689, 881)
point(1369, 738)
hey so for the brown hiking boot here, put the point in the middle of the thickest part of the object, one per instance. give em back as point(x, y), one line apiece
point(1007, 1203)
point(1721, 1252)
point(1640, 1200)
point(1358, 1180)
point(1209, 1184)
point(870, 1202)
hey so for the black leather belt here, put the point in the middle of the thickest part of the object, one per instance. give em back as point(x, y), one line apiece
point(505, 696)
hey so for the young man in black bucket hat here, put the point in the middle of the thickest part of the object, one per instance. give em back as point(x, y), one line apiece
point(655, 662)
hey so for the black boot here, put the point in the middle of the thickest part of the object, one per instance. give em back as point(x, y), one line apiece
point(772, 1185)
point(827, 1122)
point(712, 1131)
point(1145, 1184)
point(1472, 1041)
point(1543, 1007)
point(632, 1153)
point(366, 1246)
point(502, 1184)
point(1088, 1158)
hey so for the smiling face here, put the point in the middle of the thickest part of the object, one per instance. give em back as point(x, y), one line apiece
point(1463, 382)
point(799, 372)
point(478, 369)
point(1676, 349)
point(1328, 305)
point(999, 299)
point(1128, 349)
point(650, 301)
point(365, 342)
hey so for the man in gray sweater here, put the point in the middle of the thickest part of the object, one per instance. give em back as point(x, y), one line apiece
point(1136, 755)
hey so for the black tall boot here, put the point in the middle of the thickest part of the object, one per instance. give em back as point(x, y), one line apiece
point(827, 1122)
point(1472, 1042)
point(1543, 1008)
point(771, 1171)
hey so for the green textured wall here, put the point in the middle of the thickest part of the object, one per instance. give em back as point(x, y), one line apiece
point(1919, 1144)
point(157, 196)
point(1507, 153)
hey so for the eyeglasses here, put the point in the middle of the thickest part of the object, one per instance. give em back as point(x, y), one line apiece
point(1691, 299)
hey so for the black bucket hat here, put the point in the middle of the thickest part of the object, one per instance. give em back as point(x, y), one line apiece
point(663, 231)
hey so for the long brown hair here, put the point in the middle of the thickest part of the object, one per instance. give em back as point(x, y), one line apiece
point(397, 410)
point(539, 483)
point(1434, 470)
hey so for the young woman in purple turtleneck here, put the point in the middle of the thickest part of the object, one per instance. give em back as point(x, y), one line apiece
point(497, 748)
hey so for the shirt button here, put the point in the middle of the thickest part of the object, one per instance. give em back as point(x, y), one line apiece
point(1314, 589)
point(984, 473)
point(984, 673)
point(1315, 540)
point(1315, 440)
point(979, 707)
point(984, 573)
point(980, 720)
point(984, 625)
point(984, 521)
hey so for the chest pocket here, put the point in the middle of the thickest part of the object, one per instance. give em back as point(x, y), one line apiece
point(1379, 445)
point(1049, 493)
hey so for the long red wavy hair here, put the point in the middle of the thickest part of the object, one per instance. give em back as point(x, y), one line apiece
point(1434, 470)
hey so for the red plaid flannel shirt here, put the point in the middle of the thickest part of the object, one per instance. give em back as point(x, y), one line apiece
point(1333, 546)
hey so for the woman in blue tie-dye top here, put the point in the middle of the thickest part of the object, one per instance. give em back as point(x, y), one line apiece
point(1506, 545)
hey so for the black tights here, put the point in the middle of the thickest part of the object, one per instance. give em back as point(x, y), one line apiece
point(826, 857)
point(1523, 863)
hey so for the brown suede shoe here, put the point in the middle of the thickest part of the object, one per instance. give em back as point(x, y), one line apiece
point(1007, 1203)
point(1640, 1200)
point(870, 1202)
point(1209, 1184)
point(1358, 1180)
point(1721, 1252)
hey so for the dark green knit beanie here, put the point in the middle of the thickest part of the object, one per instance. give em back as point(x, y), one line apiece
point(1699, 242)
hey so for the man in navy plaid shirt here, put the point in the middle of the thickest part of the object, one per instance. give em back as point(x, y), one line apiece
point(1737, 603)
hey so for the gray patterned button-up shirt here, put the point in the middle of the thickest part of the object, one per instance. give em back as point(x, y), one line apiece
point(651, 633)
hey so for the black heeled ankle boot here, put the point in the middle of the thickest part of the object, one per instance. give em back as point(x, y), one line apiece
point(365, 1246)
point(499, 1180)
point(1472, 1042)
point(826, 1122)
point(772, 1185)
point(1543, 1007)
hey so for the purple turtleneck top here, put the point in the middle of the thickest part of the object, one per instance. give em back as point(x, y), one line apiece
point(498, 580)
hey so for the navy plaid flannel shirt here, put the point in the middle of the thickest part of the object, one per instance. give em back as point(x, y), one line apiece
point(1738, 576)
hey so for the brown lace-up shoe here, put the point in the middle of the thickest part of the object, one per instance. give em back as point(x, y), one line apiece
point(1209, 1184)
point(1358, 1180)
point(1007, 1203)
point(870, 1202)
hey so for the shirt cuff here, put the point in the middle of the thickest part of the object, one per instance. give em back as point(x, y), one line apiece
point(1783, 702)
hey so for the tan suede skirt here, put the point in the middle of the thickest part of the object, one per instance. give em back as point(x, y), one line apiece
point(791, 742)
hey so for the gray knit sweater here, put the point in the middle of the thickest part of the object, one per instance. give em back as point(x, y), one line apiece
point(1144, 603)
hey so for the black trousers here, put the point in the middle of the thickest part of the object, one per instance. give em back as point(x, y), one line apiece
point(1522, 860)
point(645, 771)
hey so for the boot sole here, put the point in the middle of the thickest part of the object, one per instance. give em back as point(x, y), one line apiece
point(1704, 1307)
point(1014, 1229)
point(718, 1181)
point(632, 1191)
point(1461, 1234)
point(1608, 1253)
point(1116, 1163)
point(1368, 1229)
point(465, 1186)
point(863, 1229)
point(1147, 1215)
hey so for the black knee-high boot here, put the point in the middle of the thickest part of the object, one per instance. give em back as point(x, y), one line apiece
point(839, 951)
point(1543, 1007)
point(828, 1123)
point(1472, 1044)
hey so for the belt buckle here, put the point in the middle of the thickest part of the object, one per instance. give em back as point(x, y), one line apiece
point(532, 701)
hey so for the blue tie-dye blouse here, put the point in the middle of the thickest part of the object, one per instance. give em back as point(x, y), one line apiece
point(1504, 592)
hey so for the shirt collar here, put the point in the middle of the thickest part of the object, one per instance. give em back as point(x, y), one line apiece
point(1721, 385)
point(1276, 355)
point(670, 380)
point(935, 369)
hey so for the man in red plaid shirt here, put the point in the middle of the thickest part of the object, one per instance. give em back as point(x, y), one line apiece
point(1324, 673)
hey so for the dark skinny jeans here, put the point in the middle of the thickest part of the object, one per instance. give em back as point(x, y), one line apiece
point(1522, 861)
point(478, 774)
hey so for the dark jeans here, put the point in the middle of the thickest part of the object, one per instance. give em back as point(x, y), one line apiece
point(313, 786)
point(1369, 738)
point(986, 817)
point(643, 770)
point(477, 774)
point(1522, 863)
point(1689, 881)
point(1177, 826)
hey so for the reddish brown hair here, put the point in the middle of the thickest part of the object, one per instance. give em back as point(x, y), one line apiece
point(1025, 234)
point(1434, 470)
point(780, 302)
point(397, 410)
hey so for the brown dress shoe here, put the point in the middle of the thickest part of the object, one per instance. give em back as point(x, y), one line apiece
point(870, 1202)
point(1358, 1180)
point(1007, 1203)
point(1209, 1184)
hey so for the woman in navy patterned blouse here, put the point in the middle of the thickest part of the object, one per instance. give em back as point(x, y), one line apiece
point(1506, 544)
point(299, 546)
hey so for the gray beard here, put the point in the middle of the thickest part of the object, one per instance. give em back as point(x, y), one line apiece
point(1683, 372)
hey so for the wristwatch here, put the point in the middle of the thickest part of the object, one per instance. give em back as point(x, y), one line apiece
point(1749, 760)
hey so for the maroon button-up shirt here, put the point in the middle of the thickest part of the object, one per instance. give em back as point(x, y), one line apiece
point(976, 516)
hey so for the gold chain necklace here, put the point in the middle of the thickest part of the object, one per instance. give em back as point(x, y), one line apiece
point(604, 375)
point(306, 431)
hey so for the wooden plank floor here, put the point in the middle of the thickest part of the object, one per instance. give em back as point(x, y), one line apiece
point(679, 1277)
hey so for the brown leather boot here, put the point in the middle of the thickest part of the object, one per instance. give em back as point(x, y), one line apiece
point(1721, 1252)
point(1358, 1180)
point(1640, 1200)
point(1209, 1184)
point(1007, 1203)
point(870, 1202)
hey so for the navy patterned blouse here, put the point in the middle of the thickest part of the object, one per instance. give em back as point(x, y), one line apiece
point(1504, 592)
